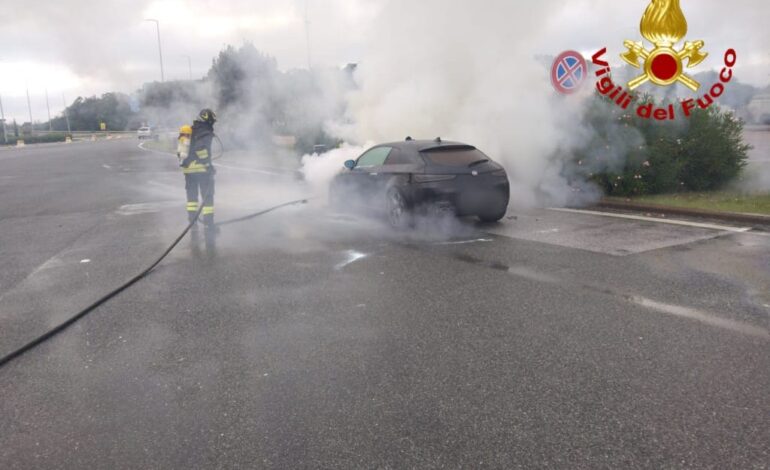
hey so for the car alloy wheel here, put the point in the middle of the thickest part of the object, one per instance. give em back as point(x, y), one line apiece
point(397, 211)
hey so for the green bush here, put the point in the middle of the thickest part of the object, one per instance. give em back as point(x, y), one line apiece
point(37, 139)
point(628, 155)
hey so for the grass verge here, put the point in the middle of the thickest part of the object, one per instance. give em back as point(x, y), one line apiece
point(718, 201)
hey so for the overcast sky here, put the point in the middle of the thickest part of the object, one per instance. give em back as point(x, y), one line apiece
point(82, 47)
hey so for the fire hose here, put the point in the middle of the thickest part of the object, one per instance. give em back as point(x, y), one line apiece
point(104, 299)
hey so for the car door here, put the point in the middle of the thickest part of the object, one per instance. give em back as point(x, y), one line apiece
point(399, 166)
point(369, 175)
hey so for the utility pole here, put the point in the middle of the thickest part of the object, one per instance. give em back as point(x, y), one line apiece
point(189, 65)
point(48, 106)
point(29, 108)
point(160, 50)
point(2, 118)
point(66, 115)
point(307, 35)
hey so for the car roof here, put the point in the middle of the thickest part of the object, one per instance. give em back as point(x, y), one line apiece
point(425, 145)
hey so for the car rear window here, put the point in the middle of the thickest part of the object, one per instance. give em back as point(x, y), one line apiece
point(455, 157)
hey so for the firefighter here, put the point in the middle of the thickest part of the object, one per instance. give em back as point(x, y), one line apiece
point(198, 169)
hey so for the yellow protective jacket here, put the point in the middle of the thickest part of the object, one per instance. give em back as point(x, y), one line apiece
point(199, 156)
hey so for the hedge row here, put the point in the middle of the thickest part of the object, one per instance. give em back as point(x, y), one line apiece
point(36, 139)
point(628, 155)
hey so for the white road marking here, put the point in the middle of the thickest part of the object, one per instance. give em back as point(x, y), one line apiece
point(270, 172)
point(252, 170)
point(145, 208)
point(709, 319)
point(532, 275)
point(685, 223)
point(106, 166)
point(141, 146)
point(84, 261)
point(689, 313)
point(465, 242)
point(351, 257)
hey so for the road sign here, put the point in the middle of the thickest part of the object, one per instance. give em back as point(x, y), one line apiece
point(568, 72)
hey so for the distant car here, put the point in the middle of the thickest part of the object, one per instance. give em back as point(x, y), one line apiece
point(414, 176)
point(146, 133)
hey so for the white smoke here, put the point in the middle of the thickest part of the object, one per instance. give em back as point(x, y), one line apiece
point(468, 72)
point(319, 170)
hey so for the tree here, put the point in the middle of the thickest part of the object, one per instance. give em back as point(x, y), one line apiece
point(628, 155)
point(713, 144)
point(85, 114)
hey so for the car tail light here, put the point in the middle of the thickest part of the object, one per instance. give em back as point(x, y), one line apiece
point(432, 178)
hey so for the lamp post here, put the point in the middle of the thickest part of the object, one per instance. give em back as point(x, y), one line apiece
point(2, 118)
point(160, 50)
point(66, 115)
point(307, 36)
point(189, 65)
point(48, 107)
point(29, 108)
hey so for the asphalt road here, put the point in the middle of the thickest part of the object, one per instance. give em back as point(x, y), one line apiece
point(311, 339)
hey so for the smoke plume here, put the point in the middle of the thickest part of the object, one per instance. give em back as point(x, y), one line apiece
point(468, 73)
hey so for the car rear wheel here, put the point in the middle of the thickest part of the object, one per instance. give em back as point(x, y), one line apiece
point(398, 211)
point(490, 219)
point(494, 215)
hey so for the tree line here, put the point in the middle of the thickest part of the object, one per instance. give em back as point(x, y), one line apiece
point(253, 98)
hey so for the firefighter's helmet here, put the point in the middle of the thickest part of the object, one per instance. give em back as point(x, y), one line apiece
point(207, 115)
point(185, 130)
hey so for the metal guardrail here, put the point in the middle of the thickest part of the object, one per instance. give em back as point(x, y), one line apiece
point(78, 133)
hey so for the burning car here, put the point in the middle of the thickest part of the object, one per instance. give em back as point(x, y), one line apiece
point(406, 178)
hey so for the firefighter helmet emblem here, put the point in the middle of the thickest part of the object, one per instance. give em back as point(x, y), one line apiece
point(664, 25)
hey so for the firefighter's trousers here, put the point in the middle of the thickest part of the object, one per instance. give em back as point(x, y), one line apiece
point(203, 184)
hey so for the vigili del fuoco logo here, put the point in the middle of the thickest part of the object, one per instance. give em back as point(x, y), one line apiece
point(664, 25)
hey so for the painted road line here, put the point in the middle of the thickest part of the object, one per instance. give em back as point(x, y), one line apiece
point(141, 146)
point(351, 256)
point(724, 228)
point(703, 317)
point(689, 313)
point(253, 170)
point(271, 172)
point(465, 242)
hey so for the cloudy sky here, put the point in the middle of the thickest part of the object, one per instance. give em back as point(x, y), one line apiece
point(84, 47)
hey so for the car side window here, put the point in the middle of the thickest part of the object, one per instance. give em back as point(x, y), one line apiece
point(400, 157)
point(374, 157)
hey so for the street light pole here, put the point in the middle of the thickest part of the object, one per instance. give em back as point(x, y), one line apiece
point(48, 107)
point(2, 118)
point(66, 115)
point(189, 65)
point(307, 36)
point(160, 50)
point(29, 108)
